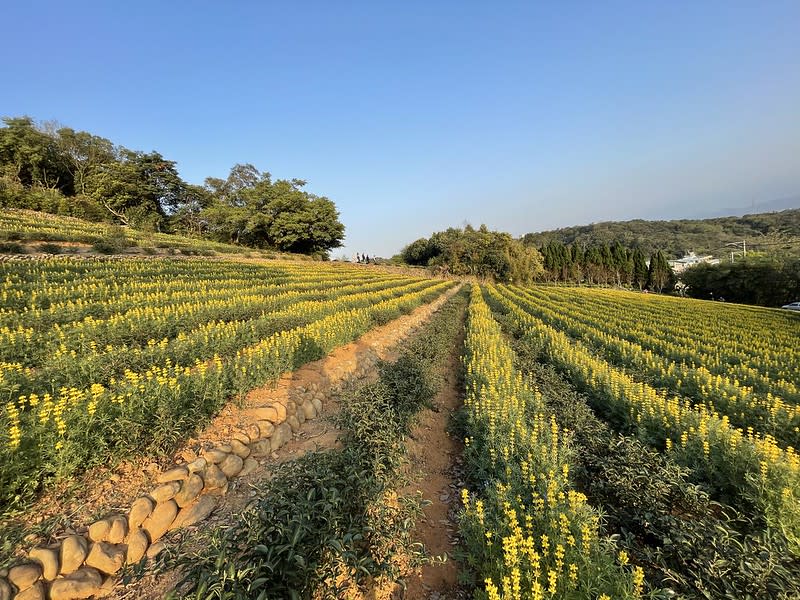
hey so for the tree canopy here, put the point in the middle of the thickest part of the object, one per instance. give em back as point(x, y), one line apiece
point(761, 280)
point(477, 252)
point(75, 173)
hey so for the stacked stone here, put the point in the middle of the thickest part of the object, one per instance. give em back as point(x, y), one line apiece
point(85, 566)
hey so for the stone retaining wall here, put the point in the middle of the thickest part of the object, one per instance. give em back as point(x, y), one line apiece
point(85, 566)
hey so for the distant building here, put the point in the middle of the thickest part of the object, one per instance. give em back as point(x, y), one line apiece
point(690, 260)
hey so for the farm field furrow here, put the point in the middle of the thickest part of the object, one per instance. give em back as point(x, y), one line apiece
point(528, 532)
point(765, 412)
point(749, 470)
point(38, 226)
point(94, 364)
point(120, 401)
point(143, 327)
point(753, 344)
point(684, 540)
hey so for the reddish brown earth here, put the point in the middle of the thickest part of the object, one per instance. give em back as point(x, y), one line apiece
point(433, 459)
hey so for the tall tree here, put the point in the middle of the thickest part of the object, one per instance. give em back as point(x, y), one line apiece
point(85, 154)
point(640, 270)
point(31, 156)
point(659, 276)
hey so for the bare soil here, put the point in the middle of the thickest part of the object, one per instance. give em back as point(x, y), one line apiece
point(434, 459)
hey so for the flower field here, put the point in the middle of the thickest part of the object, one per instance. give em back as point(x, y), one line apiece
point(616, 445)
point(701, 472)
point(104, 358)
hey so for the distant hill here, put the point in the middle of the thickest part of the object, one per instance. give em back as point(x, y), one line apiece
point(773, 233)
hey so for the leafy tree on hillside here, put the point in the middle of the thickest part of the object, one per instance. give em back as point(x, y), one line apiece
point(31, 157)
point(481, 253)
point(62, 171)
point(757, 280)
point(249, 208)
point(84, 153)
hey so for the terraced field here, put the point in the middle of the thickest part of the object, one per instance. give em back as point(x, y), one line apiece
point(610, 444)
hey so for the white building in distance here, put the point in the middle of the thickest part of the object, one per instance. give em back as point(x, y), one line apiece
point(690, 260)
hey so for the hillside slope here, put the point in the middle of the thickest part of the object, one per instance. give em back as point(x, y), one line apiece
point(773, 233)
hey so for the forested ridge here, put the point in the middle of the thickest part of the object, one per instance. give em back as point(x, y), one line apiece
point(58, 170)
point(773, 233)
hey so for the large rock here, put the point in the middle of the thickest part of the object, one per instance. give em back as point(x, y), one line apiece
point(269, 413)
point(118, 531)
point(283, 433)
point(261, 448)
point(317, 402)
point(190, 490)
point(174, 474)
point(81, 584)
point(140, 510)
point(106, 558)
point(231, 466)
point(250, 465)
point(196, 466)
point(293, 422)
point(253, 432)
point(106, 588)
point(98, 530)
point(36, 592)
point(308, 410)
point(24, 576)
point(214, 478)
point(137, 546)
point(265, 429)
point(155, 549)
point(160, 520)
point(240, 449)
point(48, 559)
point(6, 592)
point(165, 491)
point(73, 552)
point(196, 512)
point(240, 437)
point(216, 456)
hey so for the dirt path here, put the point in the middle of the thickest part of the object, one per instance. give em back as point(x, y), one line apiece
point(434, 464)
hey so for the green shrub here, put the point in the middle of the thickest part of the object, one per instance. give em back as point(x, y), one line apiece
point(49, 248)
point(12, 248)
point(114, 242)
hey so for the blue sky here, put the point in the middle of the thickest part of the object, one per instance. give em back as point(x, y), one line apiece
point(415, 116)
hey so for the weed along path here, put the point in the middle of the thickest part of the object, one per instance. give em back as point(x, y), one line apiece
point(434, 464)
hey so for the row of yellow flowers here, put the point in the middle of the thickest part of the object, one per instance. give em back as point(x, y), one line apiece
point(90, 362)
point(51, 435)
point(751, 345)
point(62, 290)
point(721, 395)
point(528, 533)
point(750, 466)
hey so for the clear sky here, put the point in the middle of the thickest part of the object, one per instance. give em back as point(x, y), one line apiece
point(415, 116)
